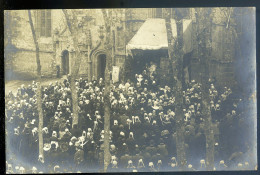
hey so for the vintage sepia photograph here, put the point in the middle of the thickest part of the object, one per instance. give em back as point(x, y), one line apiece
point(130, 90)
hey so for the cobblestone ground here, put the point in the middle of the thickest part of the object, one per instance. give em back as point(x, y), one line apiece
point(13, 85)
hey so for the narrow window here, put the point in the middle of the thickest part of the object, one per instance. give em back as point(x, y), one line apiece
point(44, 23)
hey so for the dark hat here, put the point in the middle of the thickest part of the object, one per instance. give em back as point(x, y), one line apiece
point(151, 142)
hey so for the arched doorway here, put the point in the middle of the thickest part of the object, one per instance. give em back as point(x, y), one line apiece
point(101, 65)
point(65, 62)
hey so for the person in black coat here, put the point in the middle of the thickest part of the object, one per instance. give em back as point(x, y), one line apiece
point(123, 163)
point(79, 158)
point(162, 150)
point(131, 143)
point(113, 167)
point(122, 149)
point(75, 131)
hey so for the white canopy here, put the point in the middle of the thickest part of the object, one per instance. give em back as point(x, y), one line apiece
point(152, 35)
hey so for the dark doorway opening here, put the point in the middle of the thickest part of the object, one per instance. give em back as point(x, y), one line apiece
point(144, 59)
point(101, 66)
point(65, 62)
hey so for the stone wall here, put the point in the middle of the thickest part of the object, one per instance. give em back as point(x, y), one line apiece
point(24, 64)
point(23, 48)
point(128, 23)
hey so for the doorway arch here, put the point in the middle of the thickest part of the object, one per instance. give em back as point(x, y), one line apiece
point(101, 66)
point(98, 57)
point(65, 67)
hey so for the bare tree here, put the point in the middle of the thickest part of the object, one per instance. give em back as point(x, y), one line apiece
point(38, 93)
point(72, 24)
point(175, 52)
point(108, 46)
point(204, 21)
point(8, 34)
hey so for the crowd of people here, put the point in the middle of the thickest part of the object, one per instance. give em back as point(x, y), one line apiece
point(142, 128)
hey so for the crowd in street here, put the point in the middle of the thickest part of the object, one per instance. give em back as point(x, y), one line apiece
point(142, 128)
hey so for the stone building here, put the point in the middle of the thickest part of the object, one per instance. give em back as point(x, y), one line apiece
point(55, 43)
point(57, 52)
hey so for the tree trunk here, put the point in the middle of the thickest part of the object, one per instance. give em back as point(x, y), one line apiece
point(74, 96)
point(181, 155)
point(177, 69)
point(206, 112)
point(171, 42)
point(71, 23)
point(107, 105)
point(7, 45)
point(107, 113)
point(38, 93)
